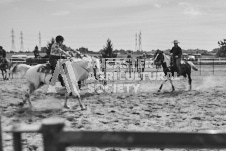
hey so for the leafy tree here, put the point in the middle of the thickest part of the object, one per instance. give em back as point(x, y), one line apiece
point(83, 50)
point(48, 47)
point(222, 50)
point(107, 52)
point(215, 50)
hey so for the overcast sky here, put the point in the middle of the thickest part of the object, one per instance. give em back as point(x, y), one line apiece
point(89, 23)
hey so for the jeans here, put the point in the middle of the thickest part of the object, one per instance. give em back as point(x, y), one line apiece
point(178, 65)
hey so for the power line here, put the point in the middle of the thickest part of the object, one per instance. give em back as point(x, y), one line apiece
point(136, 42)
point(21, 42)
point(40, 45)
point(140, 42)
point(13, 47)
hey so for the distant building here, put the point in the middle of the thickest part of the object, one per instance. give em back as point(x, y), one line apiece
point(194, 57)
point(212, 53)
point(184, 56)
point(197, 56)
point(149, 55)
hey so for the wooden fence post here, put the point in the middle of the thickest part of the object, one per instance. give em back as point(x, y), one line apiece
point(105, 68)
point(1, 147)
point(51, 128)
point(17, 141)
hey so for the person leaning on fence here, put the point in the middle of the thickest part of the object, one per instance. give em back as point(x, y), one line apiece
point(57, 53)
point(176, 56)
point(2, 52)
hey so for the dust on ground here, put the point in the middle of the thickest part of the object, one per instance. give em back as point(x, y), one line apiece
point(202, 108)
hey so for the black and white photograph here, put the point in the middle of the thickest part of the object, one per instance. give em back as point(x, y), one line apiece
point(112, 75)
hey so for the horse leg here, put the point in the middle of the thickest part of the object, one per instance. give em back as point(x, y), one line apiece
point(66, 99)
point(172, 84)
point(3, 74)
point(74, 92)
point(31, 89)
point(83, 107)
point(79, 84)
point(162, 85)
point(6, 75)
point(189, 82)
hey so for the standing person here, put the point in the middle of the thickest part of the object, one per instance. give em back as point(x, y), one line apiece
point(176, 56)
point(36, 53)
point(57, 53)
point(2, 52)
point(144, 57)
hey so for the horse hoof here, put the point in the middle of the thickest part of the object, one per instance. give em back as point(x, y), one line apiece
point(21, 104)
point(66, 107)
point(83, 107)
point(70, 94)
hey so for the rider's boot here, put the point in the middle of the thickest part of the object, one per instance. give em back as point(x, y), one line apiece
point(61, 80)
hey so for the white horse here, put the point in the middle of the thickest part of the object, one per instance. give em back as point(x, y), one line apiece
point(19, 68)
point(36, 79)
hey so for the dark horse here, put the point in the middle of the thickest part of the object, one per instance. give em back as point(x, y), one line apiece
point(169, 69)
point(5, 66)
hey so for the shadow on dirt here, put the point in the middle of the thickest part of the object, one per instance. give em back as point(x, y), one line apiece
point(167, 94)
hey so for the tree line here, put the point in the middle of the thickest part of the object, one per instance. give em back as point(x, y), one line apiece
point(108, 52)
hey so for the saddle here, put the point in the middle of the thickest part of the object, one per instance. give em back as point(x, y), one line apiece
point(174, 67)
point(45, 68)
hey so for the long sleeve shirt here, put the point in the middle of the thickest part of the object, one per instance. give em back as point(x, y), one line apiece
point(177, 51)
point(2, 53)
point(56, 50)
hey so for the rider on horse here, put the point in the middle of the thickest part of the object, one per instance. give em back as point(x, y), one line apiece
point(176, 57)
point(2, 53)
point(5, 64)
point(56, 54)
point(36, 53)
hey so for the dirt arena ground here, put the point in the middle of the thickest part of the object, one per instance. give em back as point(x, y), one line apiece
point(203, 108)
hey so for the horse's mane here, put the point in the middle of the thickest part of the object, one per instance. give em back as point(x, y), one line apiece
point(167, 56)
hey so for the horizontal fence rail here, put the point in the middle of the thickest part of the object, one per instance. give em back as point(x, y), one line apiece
point(56, 138)
point(206, 66)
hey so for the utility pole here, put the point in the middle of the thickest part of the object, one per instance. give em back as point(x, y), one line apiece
point(21, 42)
point(135, 42)
point(140, 42)
point(40, 44)
point(13, 48)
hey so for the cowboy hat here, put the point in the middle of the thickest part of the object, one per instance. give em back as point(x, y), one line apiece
point(176, 42)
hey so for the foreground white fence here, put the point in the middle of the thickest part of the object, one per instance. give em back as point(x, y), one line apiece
point(56, 138)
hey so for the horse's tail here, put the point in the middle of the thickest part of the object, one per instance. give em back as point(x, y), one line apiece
point(25, 68)
point(14, 69)
point(192, 66)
